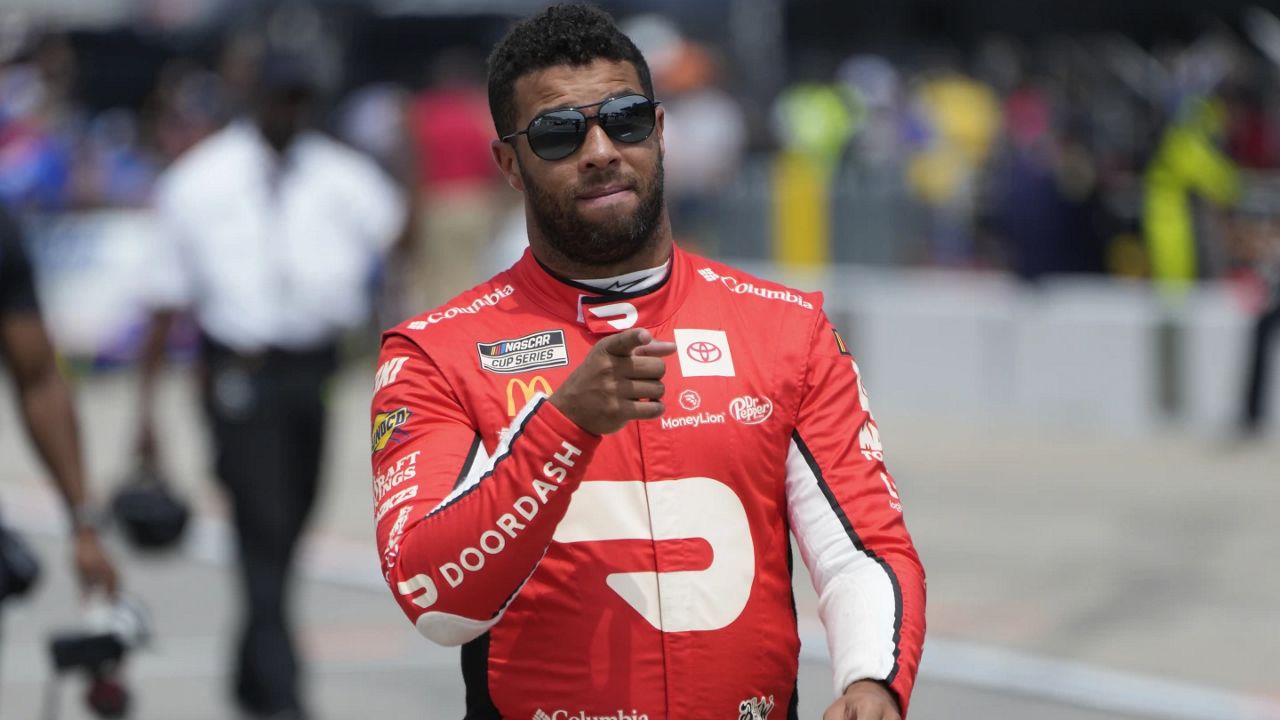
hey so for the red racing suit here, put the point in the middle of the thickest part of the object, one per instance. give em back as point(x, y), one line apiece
point(643, 575)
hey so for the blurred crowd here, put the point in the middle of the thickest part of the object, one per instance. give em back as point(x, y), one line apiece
point(1074, 155)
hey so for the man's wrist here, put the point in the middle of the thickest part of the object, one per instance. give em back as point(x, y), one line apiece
point(86, 519)
point(873, 686)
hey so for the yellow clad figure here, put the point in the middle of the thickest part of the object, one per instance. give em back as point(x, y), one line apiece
point(1188, 160)
point(814, 122)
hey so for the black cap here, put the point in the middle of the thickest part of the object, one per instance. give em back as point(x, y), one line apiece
point(287, 72)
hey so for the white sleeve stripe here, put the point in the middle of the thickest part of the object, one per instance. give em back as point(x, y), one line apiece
point(477, 449)
point(480, 465)
point(448, 629)
point(858, 590)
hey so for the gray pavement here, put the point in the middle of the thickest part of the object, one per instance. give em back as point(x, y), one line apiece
point(1066, 569)
point(366, 660)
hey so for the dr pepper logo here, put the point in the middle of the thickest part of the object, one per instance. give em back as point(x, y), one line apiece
point(751, 410)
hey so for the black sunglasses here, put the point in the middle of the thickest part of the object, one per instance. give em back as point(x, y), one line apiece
point(557, 134)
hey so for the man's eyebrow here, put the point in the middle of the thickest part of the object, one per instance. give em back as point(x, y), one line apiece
point(628, 90)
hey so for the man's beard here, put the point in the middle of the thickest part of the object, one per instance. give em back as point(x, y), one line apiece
point(591, 243)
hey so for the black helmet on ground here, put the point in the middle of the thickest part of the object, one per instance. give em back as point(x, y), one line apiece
point(151, 515)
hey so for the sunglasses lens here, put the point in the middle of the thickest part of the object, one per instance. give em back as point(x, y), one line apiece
point(556, 135)
point(628, 119)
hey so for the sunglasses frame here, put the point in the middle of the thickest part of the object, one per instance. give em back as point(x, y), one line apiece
point(587, 121)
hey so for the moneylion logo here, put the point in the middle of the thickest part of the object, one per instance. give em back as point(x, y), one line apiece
point(693, 421)
point(527, 391)
point(690, 400)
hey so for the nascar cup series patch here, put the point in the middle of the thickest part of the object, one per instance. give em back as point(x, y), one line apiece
point(540, 350)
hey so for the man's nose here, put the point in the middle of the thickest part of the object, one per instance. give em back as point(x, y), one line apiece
point(598, 149)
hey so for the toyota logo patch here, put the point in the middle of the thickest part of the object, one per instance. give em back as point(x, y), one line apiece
point(703, 352)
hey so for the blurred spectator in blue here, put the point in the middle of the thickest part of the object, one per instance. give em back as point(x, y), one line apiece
point(1045, 191)
point(35, 150)
point(111, 167)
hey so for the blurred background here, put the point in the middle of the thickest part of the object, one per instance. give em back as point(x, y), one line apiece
point(1050, 232)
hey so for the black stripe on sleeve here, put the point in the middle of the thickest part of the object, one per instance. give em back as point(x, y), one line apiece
point(466, 464)
point(857, 543)
point(510, 444)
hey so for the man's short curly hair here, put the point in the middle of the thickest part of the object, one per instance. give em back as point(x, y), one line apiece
point(559, 35)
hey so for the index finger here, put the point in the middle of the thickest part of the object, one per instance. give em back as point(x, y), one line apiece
point(623, 343)
point(657, 348)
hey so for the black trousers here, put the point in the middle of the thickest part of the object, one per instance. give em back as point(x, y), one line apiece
point(267, 414)
point(1259, 365)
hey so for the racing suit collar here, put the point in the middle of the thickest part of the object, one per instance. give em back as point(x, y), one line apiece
point(600, 311)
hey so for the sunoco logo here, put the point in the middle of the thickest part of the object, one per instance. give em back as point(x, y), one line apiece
point(385, 424)
point(541, 714)
point(751, 410)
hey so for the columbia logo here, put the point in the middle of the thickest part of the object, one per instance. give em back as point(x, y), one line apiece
point(708, 274)
point(540, 714)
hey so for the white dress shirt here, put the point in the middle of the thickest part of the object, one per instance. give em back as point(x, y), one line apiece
point(271, 250)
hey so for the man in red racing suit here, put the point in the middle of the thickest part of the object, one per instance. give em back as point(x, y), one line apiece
point(640, 568)
point(646, 572)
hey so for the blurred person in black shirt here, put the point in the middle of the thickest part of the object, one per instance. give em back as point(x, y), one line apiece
point(45, 403)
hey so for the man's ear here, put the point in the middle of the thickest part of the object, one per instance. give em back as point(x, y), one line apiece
point(504, 154)
point(660, 116)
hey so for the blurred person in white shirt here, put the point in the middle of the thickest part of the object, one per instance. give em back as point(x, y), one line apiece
point(270, 235)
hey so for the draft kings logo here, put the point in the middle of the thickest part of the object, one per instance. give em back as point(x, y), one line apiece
point(385, 425)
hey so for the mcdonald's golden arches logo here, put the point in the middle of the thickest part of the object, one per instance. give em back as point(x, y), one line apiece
point(527, 390)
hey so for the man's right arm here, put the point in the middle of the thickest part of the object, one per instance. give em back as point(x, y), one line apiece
point(460, 530)
point(166, 290)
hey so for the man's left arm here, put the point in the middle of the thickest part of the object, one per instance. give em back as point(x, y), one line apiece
point(846, 514)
